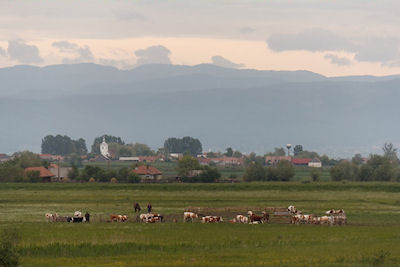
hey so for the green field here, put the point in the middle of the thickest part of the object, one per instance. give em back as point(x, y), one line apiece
point(371, 238)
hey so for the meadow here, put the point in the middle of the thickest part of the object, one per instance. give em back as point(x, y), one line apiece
point(371, 237)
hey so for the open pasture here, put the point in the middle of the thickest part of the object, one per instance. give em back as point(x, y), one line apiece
point(371, 237)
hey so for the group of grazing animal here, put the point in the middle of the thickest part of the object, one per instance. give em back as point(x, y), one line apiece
point(250, 219)
point(118, 218)
point(151, 217)
point(77, 218)
point(335, 217)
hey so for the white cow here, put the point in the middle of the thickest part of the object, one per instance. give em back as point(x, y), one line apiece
point(187, 215)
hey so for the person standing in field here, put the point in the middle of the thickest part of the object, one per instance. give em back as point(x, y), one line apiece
point(87, 217)
point(136, 207)
point(149, 208)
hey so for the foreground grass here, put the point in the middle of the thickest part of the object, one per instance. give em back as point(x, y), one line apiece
point(372, 236)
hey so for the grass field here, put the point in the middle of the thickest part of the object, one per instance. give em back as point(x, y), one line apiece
point(371, 238)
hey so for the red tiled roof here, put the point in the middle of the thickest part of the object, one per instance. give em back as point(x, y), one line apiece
point(146, 170)
point(53, 166)
point(43, 171)
point(301, 160)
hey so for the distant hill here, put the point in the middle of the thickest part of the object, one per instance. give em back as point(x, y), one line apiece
point(249, 110)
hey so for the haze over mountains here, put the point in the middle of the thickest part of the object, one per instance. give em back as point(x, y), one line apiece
point(249, 110)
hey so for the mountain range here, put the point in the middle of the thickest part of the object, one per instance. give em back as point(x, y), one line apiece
point(249, 110)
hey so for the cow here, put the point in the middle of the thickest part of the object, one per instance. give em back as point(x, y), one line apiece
point(332, 212)
point(115, 218)
point(255, 218)
point(62, 219)
point(265, 216)
point(189, 216)
point(50, 217)
point(242, 219)
point(77, 214)
point(292, 209)
point(211, 219)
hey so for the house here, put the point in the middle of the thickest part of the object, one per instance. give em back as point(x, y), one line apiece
point(148, 172)
point(176, 156)
point(273, 160)
point(4, 158)
point(204, 161)
point(133, 159)
point(50, 157)
point(59, 173)
point(228, 161)
point(301, 161)
point(44, 173)
point(315, 163)
point(147, 158)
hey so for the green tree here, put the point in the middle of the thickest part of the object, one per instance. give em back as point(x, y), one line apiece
point(237, 154)
point(188, 164)
point(186, 145)
point(284, 170)
point(307, 154)
point(315, 174)
point(229, 152)
point(109, 139)
point(255, 172)
point(139, 149)
point(73, 173)
point(390, 152)
point(344, 170)
point(33, 176)
point(357, 159)
point(63, 145)
point(278, 151)
point(297, 149)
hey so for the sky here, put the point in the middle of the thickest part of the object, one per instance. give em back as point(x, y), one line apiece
point(333, 38)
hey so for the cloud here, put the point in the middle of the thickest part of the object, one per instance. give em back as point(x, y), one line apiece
point(384, 50)
point(314, 40)
point(246, 30)
point(65, 46)
point(2, 52)
point(79, 54)
point(22, 52)
point(340, 61)
point(157, 54)
point(225, 63)
point(128, 14)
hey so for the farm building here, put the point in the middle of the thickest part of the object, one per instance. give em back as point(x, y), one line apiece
point(272, 160)
point(315, 163)
point(148, 172)
point(133, 159)
point(4, 158)
point(301, 161)
point(228, 161)
point(44, 173)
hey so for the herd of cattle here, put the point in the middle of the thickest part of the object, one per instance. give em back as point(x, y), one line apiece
point(77, 217)
point(332, 217)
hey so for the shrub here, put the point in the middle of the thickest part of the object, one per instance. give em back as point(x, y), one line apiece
point(133, 178)
point(315, 174)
